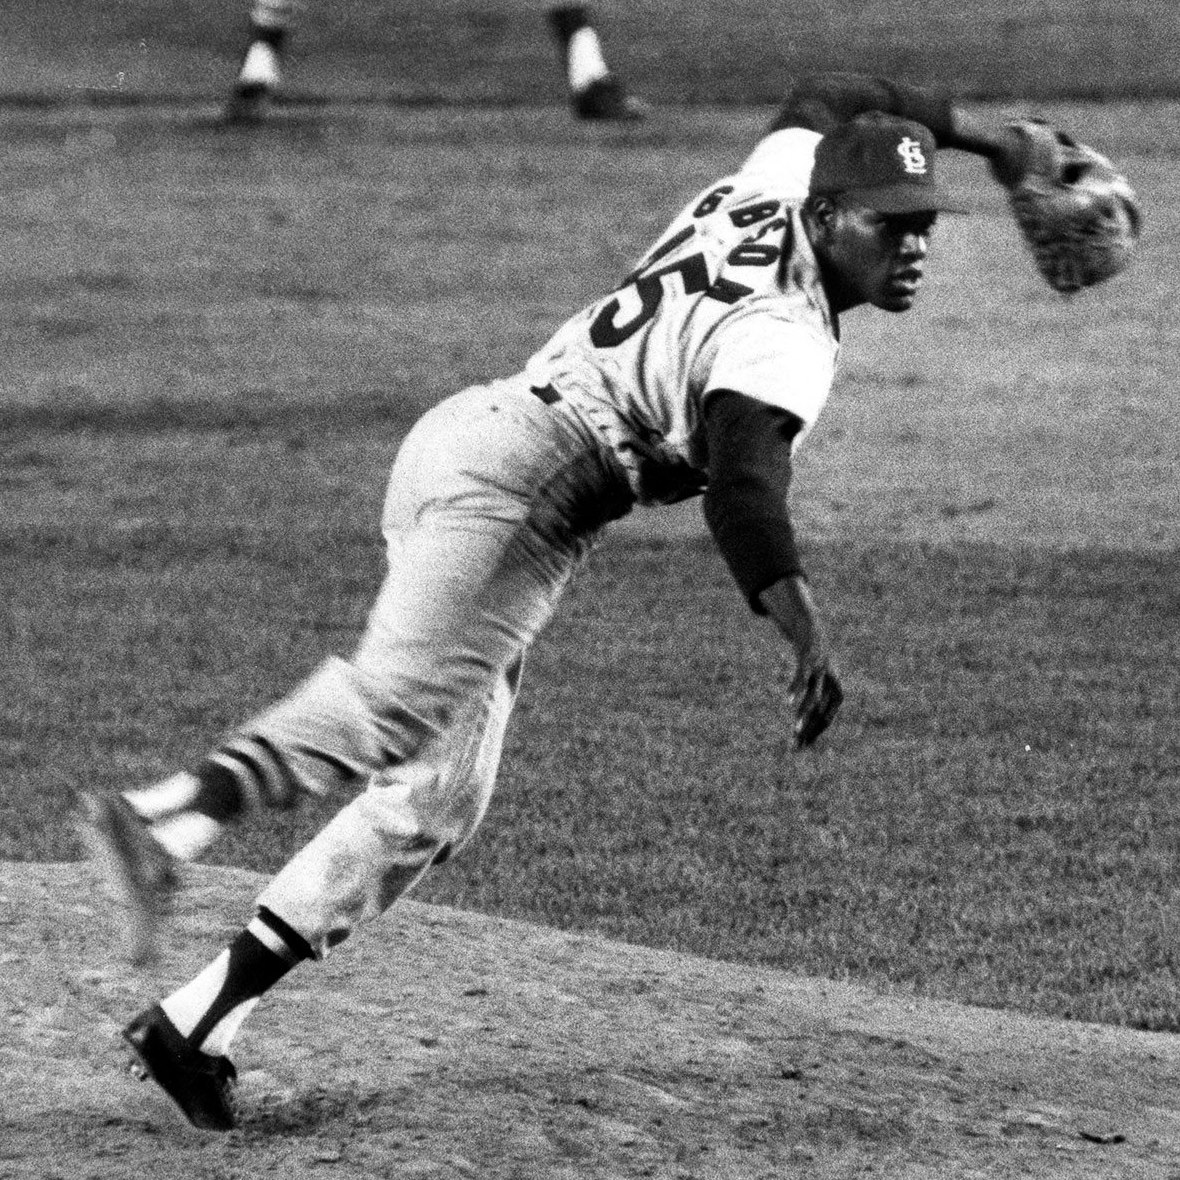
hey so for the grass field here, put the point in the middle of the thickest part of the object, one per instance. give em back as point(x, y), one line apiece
point(213, 344)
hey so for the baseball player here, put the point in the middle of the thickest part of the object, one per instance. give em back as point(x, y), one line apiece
point(595, 91)
point(700, 375)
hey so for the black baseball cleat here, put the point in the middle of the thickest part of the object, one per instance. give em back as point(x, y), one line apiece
point(607, 99)
point(139, 872)
point(250, 103)
point(199, 1083)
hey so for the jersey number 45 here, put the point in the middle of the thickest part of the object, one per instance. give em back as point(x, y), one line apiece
point(648, 285)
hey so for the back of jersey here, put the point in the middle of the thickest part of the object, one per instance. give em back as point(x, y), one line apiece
point(729, 297)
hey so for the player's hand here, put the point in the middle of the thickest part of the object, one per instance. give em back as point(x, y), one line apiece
point(815, 693)
point(815, 697)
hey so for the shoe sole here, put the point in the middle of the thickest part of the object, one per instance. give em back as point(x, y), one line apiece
point(142, 906)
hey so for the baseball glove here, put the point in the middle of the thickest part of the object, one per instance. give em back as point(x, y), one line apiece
point(1079, 216)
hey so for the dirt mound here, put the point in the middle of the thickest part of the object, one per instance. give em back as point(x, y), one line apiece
point(443, 1043)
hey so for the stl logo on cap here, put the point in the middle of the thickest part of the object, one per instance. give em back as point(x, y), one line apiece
point(912, 156)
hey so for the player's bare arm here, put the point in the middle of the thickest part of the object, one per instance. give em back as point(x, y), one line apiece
point(746, 508)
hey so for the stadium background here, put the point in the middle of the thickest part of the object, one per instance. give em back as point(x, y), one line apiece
point(500, 52)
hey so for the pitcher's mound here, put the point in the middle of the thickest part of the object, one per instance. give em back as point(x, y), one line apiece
point(443, 1043)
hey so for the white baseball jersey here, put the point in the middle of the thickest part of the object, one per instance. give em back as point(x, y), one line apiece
point(728, 298)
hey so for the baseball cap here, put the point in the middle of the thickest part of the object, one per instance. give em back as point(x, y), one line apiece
point(882, 162)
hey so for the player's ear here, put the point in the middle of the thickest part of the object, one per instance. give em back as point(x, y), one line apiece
point(821, 214)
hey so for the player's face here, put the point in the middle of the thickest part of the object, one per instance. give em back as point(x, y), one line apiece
point(878, 258)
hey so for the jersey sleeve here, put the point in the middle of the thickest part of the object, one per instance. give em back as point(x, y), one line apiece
point(820, 101)
point(774, 360)
point(784, 159)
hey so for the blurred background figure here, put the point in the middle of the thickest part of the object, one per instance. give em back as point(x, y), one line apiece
point(595, 92)
point(260, 72)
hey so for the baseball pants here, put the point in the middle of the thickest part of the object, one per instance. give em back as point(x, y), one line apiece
point(494, 500)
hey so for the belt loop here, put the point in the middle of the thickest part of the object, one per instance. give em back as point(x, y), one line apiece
point(546, 393)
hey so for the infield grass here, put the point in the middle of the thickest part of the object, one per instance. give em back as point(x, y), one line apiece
point(213, 346)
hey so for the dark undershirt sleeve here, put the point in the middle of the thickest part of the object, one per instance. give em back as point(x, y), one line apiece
point(820, 101)
point(745, 502)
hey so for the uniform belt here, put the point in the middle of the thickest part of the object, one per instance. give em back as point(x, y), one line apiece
point(546, 393)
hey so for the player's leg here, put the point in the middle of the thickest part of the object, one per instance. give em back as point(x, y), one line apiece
point(136, 838)
point(346, 874)
point(422, 657)
point(260, 72)
point(414, 816)
point(493, 501)
point(595, 91)
point(333, 731)
point(180, 1042)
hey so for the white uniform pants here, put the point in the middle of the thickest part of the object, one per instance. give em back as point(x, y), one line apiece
point(494, 499)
